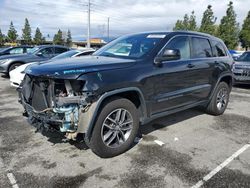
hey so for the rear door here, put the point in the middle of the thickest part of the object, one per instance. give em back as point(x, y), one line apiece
point(202, 67)
point(221, 60)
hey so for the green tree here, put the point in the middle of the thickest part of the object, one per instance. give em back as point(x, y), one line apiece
point(58, 39)
point(185, 22)
point(192, 25)
point(69, 39)
point(12, 33)
point(208, 21)
point(1, 38)
point(178, 25)
point(27, 32)
point(245, 33)
point(188, 23)
point(38, 38)
point(228, 29)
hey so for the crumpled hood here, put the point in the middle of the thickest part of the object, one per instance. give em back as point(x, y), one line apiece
point(72, 68)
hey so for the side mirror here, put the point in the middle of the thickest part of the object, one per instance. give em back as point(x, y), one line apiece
point(167, 55)
point(40, 54)
point(171, 54)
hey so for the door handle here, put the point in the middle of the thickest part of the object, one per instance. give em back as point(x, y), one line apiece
point(190, 65)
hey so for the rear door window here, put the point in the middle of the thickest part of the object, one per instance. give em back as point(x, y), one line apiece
point(218, 49)
point(59, 50)
point(26, 49)
point(201, 48)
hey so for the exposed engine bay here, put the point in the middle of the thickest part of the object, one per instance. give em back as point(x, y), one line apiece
point(54, 103)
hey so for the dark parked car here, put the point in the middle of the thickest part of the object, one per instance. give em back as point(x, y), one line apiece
point(40, 53)
point(15, 50)
point(127, 83)
point(73, 53)
point(241, 69)
point(17, 75)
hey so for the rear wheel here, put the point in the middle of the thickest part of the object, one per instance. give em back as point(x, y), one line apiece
point(115, 129)
point(220, 99)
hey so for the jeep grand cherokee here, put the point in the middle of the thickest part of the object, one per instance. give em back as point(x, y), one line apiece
point(127, 83)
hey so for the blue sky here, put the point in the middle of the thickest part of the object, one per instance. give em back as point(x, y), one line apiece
point(126, 16)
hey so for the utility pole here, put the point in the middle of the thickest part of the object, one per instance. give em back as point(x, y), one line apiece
point(108, 29)
point(88, 38)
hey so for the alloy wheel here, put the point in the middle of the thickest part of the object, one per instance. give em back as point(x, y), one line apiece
point(117, 128)
point(222, 98)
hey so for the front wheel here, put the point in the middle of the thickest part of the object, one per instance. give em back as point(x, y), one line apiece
point(220, 99)
point(115, 129)
point(14, 66)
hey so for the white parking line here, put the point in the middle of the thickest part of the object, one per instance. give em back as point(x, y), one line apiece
point(159, 142)
point(221, 166)
point(12, 180)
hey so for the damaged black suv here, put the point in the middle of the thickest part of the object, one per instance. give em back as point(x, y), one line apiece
point(127, 83)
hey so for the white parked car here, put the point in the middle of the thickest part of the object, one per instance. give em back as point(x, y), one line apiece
point(17, 75)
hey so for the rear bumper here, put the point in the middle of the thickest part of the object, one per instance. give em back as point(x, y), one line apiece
point(241, 79)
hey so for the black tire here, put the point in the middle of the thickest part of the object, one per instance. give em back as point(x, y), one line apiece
point(13, 66)
point(212, 107)
point(96, 141)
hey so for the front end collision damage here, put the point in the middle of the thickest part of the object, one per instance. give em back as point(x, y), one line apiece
point(62, 105)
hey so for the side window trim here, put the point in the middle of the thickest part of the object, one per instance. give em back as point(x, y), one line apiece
point(190, 36)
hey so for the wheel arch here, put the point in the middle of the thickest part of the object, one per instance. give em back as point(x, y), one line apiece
point(131, 93)
point(14, 62)
point(228, 78)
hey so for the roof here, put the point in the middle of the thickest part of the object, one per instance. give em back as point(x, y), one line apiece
point(48, 45)
point(179, 32)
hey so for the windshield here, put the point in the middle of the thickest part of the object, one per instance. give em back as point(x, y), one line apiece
point(244, 57)
point(66, 54)
point(33, 50)
point(133, 47)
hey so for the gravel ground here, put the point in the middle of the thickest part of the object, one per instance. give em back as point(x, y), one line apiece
point(194, 144)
